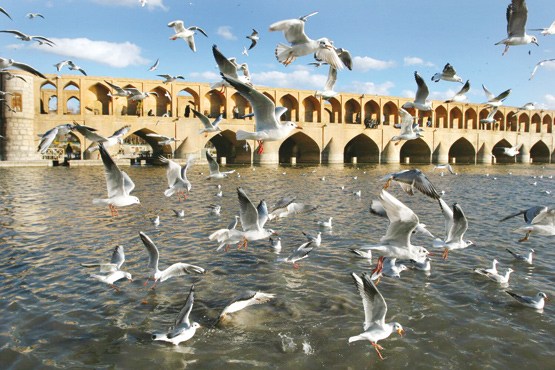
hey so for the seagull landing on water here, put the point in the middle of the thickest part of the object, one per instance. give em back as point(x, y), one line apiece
point(375, 310)
point(183, 328)
point(517, 15)
point(537, 302)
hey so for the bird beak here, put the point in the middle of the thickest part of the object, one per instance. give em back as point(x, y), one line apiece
point(299, 127)
point(274, 233)
point(535, 42)
point(401, 332)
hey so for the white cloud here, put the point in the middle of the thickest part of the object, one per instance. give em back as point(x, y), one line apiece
point(225, 32)
point(370, 88)
point(119, 55)
point(210, 76)
point(366, 63)
point(408, 94)
point(151, 4)
point(297, 79)
point(549, 102)
point(416, 61)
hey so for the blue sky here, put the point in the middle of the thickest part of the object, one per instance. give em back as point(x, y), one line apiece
point(388, 39)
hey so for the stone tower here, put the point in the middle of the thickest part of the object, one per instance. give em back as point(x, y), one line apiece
point(18, 127)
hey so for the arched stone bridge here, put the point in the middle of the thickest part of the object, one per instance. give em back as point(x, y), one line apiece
point(333, 131)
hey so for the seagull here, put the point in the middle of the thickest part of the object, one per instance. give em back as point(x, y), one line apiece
point(242, 301)
point(215, 209)
point(456, 225)
point(118, 90)
point(411, 179)
point(223, 236)
point(315, 240)
point(539, 220)
point(326, 224)
point(115, 138)
point(208, 126)
point(177, 269)
point(495, 101)
point(376, 208)
point(301, 44)
point(214, 168)
point(540, 64)
point(183, 329)
point(375, 310)
point(512, 151)
point(136, 95)
point(154, 66)
point(287, 206)
point(117, 260)
point(24, 37)
point(527, 106)
point(170, 78)
point(460, 96)
point(245, 52)
point(177, 178)
point(165, 140)
point(34, 15)
point(49, 136)
point(186, 34)
point(546, 31)
point(396, 242)
point(229, 68)
point(143, 3)
point(536, 302)
point(362, 253)
point(426, 265)
point(497, 277)
point(5, 13)
point(7, 63)
point(119, 185)
point(517, 14)
point(276, 244)
point(422, 93)
point(448, 74)
point(254, 38)
point(390, 269)
point(407, 128)
point(328, 91)
point(10, 75)
point(61, 64)
point(298, 254)
point(179, 213)
point(266, 115)
point(253, 219)
point(520, 257)
point(445, 166)
point(112, 277)
point(490, 119)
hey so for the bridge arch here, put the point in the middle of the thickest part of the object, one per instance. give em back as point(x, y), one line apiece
point(390, 114)
point(540, 152)
point(471, 119)
point(73, 105)
point(311, 107)
point(227, 146)
point(333, 110)
point(363, 148)
point(371, 111)
point(536, 123)
point(417, 150)
point(524, 122)
point(463, 151)
point(187, 97)
point(162, 104)
point(512, 123)
point(288, 101)
point(155, 148)
point(547, 124)
point(497, 150)
point(301, 146)
point(441, 118)
point(352, 111)
point(48, 95)
point(270, 96)
point(456, 119)
point(101, 102)
point(215, 101)
point(242, 104)
point(127, 107)
point(71, 98)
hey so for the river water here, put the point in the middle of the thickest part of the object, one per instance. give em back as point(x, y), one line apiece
point(55, 315)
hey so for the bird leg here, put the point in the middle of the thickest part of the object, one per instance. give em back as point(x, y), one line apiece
point(445, 253)
point(377, 347)
point(260, 147)
point(115, 288)
point(378, 280)
point(379, 266)
point(506, 49)
point(243, 244)
point(387, 184)
point(296, 265)
point(398, 142)
point(113, 210)
point(154, 285)
point(146, 282)
point(525, 239)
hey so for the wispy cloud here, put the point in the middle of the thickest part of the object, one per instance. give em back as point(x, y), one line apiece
point(225, 32)
point(118, 55)
point(366, 63)
point(206, 76)
point(370, 88)
point(151, 4)
point(416, 61)
point(549, 102)
point(296, 79)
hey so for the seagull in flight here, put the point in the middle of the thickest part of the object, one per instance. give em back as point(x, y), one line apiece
point(448, 74)
point(328, 91)
point(214, 168)
point(460, 95)
point(546, 31)
point(24, 37)
point(183, 328)
point(301, 44)
point(422, 93)
point(408, 131)
point(540, 64)
point(517, 15)
point(208, 126)
point(177, 178)
point(7, 63)
point(539, 220)
point(34, 15)
point(49, 136)
point(170, 78)
point(254, 38)
point(165, 140)
point(375, 310)
point(155, 65)
point(186, 34)
point(495, 101)
point(456, 225)
point(118, 91)
point(2, 10)
point(410, 180)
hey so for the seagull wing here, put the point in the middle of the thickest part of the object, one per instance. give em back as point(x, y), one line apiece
point(489, 94)
point(406, 122)
point(180, 269)
point(115, 179)
point(332, 78)
point(459, 226)
point(5, 12)
point(449, 71)
point(448, 215)
point(293, 29)
point(402, 220)
point(173, 170)
point(517, 14)
point(118, 256)
point(225, 65)
point(212, 164)
point(539, 64)
point(183, 316)
point(373, 302)
point(153, 254)
point(195, 28)
point(205, 121)
point(177, 26)
point(422, 92)
point(262, 210)
point(503, 95)
point(122, 131)
point(247, 212)
point(92, 136)
point(28, 68)
point(264, 108)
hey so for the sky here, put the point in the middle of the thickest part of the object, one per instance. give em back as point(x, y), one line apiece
point(389, 41)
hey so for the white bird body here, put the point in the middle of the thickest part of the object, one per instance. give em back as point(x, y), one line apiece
point(214, 168)
point(422, 93)
point(112, 277)
point(244, 300)
point(186, 34)
point(512, 151)
point(456, 225)
point(169, 78)
point(208, 126)
point(136, 95)
point(517, 15)
point(328, 91)
point(164, 140)
point(490, 119)
point(537, 302)
point(528, 258)
point(177, 177)
point(390, 269)
point(448, 74)
point(460, 96)
point(495, 101)
point(326, 224)
point(407, 128)
point(48, 137)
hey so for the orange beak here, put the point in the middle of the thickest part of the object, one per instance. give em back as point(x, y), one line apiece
point(299, 127)
point(401, 332)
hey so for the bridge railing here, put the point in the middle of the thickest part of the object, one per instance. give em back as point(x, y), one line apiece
point(53, 153)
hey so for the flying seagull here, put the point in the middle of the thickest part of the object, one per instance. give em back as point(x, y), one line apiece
point(448, 74)
point(254, 38)
point(7, 63)
point(186, 34)
point(517, 14)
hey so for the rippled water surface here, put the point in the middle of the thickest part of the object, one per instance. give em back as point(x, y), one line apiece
point(54, 315)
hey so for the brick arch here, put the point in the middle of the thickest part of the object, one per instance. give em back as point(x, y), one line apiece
point(311, 107)
point(456, 119)
point(363, 148)
point(540, 152)
point(390, 114)
point(333, 109)
point(372, 112)
point(352, 111)
point(442, 120)
point(302, 147)
point(156, 149)
point(291, 103)
point(547, 124)
point(497, 151)
point(417, 150)
point(161, 105)
point(242, 104)
point(97, 94)
point(471, 119)
point(186, 97)
point(228, 146)
point(536, 123)
point(463, 151)
point(215, 101)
